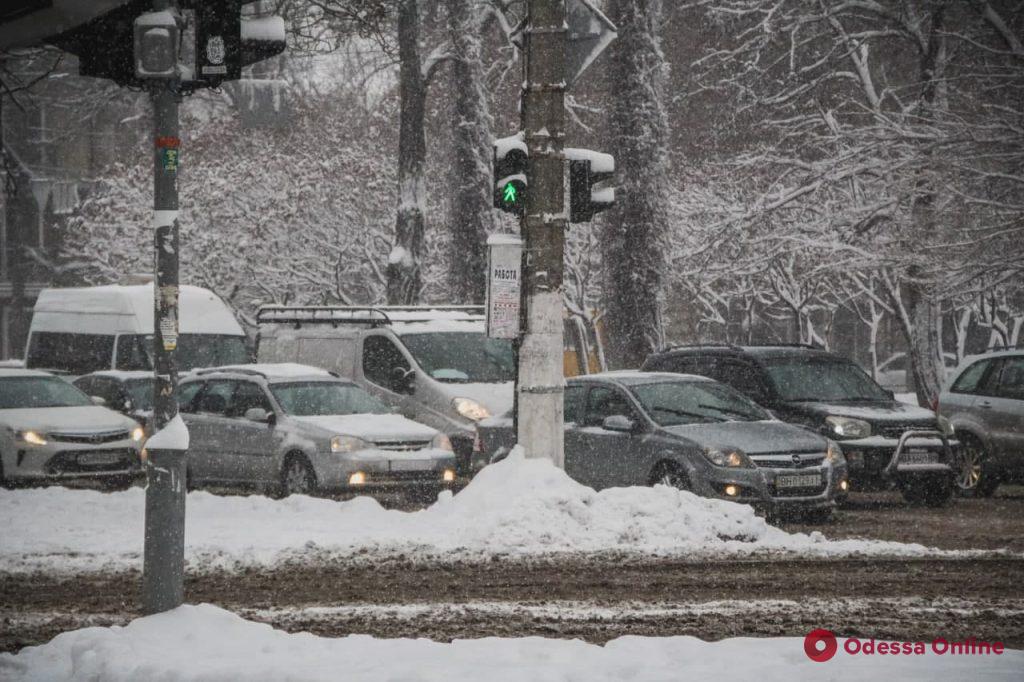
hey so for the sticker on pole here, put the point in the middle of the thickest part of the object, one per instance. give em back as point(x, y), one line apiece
point(504, 285)
point(168, 309)
point(169, 150)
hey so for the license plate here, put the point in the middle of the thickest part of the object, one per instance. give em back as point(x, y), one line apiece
point(411, 465)
point(798, 481)
point(99, 458)
point(918, 456)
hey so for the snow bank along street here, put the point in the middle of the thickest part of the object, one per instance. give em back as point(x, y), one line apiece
point(519, 507)
point(204, 642)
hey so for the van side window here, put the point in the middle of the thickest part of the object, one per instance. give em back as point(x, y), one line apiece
point(380, 358)
point(606, 402)
point(73, 353)
point(130, 353)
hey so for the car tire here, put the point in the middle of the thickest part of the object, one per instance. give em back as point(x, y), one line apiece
point(931, 492)
point(671, 475)
point(297, 476)
point(973, 477)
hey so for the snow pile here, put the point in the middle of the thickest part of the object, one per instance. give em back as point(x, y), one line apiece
point(207, 643)
point(518, 507)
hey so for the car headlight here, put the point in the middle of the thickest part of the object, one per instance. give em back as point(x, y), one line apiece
point(32, 437)
point(348, 444)
point(729, 458)
point(441, 442)
point(834, 454)
point(945, 426)
point(470, 409)
point(138, 433)
point(846, 427)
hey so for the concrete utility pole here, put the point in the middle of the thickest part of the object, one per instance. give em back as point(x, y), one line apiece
point(541, 384)
point(163, 557)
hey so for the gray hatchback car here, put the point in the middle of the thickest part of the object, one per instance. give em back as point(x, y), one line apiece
point(645, 428)
point(985, 403)
point(291, 428)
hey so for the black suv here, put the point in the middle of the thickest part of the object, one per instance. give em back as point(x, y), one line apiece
point(886, 442)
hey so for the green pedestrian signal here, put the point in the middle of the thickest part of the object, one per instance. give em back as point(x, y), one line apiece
point(510, 193)
point(510, 174)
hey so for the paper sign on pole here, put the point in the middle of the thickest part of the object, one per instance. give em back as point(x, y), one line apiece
point(504, 285)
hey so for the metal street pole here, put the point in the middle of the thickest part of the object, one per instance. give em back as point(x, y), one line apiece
point(540, 383)
point(163, 556)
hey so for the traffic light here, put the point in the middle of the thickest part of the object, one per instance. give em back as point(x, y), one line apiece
point(510, 157)
point(586, 169)
point(116, 46)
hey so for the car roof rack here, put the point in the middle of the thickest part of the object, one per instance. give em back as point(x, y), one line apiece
point(229, 370)
point(373, 316)
point(785, 345)
point(677, 346)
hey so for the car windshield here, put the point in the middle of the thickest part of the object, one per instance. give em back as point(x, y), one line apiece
point(141, 393)
point(671, 403)
point(32, 392)
point(800, 379)
point(462, 357)
point(194, 351)
point(321, 398)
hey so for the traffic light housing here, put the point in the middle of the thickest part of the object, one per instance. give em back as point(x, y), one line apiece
point(510, 159)
point(225, 42)
point(588, 168)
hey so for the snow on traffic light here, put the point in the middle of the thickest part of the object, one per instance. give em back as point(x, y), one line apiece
point(587, 169)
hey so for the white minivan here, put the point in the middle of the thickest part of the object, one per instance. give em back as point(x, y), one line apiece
point(80, 330)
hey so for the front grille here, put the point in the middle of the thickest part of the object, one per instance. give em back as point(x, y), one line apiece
point(90, 438)
point(402, 445)
point(75, 461)
point(424, 476)
point(896, 431)
point(786, 461)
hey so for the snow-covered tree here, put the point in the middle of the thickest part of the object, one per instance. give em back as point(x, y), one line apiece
point(633, 235)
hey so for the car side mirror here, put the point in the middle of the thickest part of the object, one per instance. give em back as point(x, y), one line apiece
point(618, 423)
point(96, 400)
point(403, 380)
point(258, 414)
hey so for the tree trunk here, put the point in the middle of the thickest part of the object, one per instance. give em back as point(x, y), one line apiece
point(471, 202)
point(634, 235)
point(403, 270)
point(924, 335)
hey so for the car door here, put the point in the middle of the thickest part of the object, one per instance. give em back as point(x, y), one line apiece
point(210, 446)
point(1005, 406)
point(382, 364)
point(255, 444)
point(600, 457)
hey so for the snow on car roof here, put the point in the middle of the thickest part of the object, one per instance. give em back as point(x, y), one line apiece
point(19, 372)
point(278, 370)
point(122, 374)
point(633, 377)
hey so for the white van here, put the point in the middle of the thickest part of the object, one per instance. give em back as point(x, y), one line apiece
point(87, 329)
point(433, 364)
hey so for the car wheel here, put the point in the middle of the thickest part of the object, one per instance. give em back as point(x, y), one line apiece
point(671, 475)
point(974, 478)
point(932, 492)
point(297, 477)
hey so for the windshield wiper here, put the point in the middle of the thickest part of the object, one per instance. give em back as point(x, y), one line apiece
point(726, 410)
point(684, 413)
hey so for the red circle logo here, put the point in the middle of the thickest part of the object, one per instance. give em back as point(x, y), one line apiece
point(820, 645)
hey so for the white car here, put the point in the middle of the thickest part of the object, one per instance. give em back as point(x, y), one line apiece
point(52, 432)
point(892, 374)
